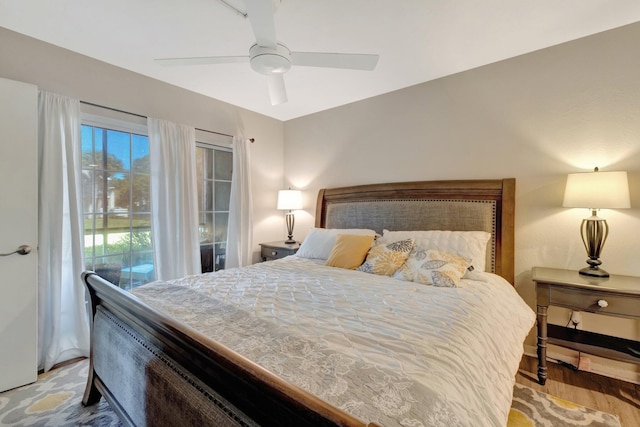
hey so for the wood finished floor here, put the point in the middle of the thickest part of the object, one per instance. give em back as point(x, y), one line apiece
point(591, 390)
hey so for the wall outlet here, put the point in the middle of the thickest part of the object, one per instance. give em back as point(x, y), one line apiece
point(576, 320)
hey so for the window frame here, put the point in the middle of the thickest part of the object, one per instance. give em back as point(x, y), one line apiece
point(214, 146)
point(132, 125)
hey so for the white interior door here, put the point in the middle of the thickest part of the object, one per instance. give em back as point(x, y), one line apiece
point(18, 226)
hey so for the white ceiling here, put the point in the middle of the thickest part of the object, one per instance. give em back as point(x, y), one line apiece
point(417, 40)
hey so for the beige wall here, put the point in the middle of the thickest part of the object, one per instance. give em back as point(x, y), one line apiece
point(536, 117)
point(61, 71)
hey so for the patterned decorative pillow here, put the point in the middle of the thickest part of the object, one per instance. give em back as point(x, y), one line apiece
point(471, 245)
point(433, 267)
point(387, 259)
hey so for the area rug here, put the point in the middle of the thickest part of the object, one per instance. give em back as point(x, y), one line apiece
point(531, 408)
point(54, 400)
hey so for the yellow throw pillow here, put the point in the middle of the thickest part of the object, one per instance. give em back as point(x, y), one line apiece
point(387, 259)
point(349, 251)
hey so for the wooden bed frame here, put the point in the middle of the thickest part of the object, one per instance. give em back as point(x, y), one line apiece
point(153, 370)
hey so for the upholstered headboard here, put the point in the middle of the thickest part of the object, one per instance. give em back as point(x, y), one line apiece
point(464, 205)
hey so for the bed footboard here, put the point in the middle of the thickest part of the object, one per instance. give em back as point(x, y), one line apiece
point(155, 371)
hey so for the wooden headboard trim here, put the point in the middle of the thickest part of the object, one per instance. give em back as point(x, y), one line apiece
point(502, 191)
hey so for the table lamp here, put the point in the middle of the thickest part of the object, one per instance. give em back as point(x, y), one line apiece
point(289, 200)
point(596, 190)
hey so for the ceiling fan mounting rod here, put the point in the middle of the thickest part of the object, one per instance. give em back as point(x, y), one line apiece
point(236, 10)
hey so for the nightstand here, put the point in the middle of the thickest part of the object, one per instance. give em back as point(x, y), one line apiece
point(275, 250)
point(613, 296)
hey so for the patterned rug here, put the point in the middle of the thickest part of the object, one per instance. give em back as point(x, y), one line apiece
point(531, 408)
point(54, 400)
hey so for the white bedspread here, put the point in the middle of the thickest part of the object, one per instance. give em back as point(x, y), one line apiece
point(387, 351)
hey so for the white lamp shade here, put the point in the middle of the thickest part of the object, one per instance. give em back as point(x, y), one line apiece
point(597, 190)
point(289, 199)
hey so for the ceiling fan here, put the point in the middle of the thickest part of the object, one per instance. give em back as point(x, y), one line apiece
point(272, 58)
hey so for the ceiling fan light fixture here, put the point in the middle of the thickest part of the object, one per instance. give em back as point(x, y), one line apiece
point(269, 61)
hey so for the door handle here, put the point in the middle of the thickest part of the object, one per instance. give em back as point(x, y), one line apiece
point(22, 250)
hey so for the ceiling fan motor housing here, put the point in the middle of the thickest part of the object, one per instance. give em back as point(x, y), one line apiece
point(269, 61)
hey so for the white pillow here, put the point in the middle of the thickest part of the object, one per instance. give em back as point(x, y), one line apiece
point(320, 241)
point(471, 245)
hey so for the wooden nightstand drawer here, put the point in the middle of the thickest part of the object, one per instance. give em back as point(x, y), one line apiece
point(588, 301)
point(276, 250)
point(270, 252)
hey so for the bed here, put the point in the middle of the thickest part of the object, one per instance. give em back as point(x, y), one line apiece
point(297, 342)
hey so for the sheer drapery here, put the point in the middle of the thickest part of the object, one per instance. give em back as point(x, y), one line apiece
point(63, 330)
point(240, 228)
point(174, 203)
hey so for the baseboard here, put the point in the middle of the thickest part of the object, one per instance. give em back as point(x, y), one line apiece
point(628, 372)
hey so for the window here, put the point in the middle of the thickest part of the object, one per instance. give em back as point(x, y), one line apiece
point(116, 203)
point(214, 165)
point(116, 199)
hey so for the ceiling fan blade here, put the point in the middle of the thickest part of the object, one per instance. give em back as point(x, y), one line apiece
point(261, 16)
point(353, 61)
point(277, 91)
point(204, 60)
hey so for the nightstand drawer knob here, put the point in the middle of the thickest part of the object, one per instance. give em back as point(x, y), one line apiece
point(603, 303)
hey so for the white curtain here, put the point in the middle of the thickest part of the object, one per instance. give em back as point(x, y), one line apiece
point(63, 330)
point(174, 203)
point(240, 227)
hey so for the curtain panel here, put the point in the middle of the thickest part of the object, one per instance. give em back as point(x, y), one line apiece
point(174, 203)
point(240, 227)
point(63, 330)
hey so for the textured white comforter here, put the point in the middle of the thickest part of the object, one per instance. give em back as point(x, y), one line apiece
point(384, 350)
